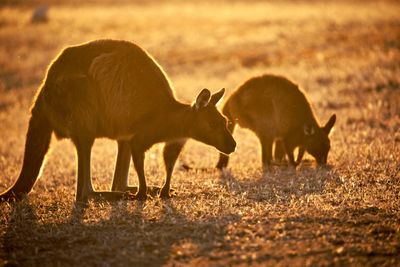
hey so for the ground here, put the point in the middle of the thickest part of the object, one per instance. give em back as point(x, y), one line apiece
point(345, 56)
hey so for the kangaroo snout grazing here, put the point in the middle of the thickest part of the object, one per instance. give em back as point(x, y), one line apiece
point(316, 140)
point(276, 110)
point(115, 89)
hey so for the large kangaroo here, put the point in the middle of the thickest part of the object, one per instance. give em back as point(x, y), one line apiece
point(114, 89)
point(276, 110)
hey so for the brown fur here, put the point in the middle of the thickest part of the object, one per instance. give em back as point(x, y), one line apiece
point(114, 89)
point(275, 109)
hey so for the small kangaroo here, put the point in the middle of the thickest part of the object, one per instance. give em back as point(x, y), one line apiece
point(275, 109)
point(115, 89)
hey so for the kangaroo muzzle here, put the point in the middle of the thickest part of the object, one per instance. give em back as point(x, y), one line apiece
point(229, 147)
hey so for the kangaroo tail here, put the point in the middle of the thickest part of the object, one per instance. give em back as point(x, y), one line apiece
point(36, 146)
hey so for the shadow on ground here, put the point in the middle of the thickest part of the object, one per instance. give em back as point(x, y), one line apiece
point(281, 183)
point(126, 237)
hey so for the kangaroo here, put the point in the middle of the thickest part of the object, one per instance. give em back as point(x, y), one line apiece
point(116, 90)
point(275, 109)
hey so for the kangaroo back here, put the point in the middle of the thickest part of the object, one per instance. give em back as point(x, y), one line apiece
point(102, 85)
point(270, 101)
point(37, 144)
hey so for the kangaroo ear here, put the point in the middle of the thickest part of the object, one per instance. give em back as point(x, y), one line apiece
point(328, 126)
point(308, 129)
point(202, 99)
point(217, 97)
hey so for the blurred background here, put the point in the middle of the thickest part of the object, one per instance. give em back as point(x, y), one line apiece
point(344, 54)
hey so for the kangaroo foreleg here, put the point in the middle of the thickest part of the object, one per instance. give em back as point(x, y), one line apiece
point(171, 153)
point(290, 153)
point(300, 155)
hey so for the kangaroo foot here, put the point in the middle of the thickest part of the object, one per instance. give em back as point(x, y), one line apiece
point(167, 193)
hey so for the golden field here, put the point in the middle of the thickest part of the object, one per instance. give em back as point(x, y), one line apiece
point(346, 57)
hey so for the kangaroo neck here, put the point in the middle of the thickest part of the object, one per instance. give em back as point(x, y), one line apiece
point(175, 123)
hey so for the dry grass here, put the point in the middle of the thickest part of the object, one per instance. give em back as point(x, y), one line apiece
point(346, 56)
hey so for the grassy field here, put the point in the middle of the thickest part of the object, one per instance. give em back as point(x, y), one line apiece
point(346, 56)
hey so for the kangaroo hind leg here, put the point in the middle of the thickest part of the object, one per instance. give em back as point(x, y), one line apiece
point(85, 189)
point(84, 183)
point(266, 151)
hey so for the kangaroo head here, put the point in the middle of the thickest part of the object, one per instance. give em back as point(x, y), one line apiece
point(209, 125)
point(317, 141)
